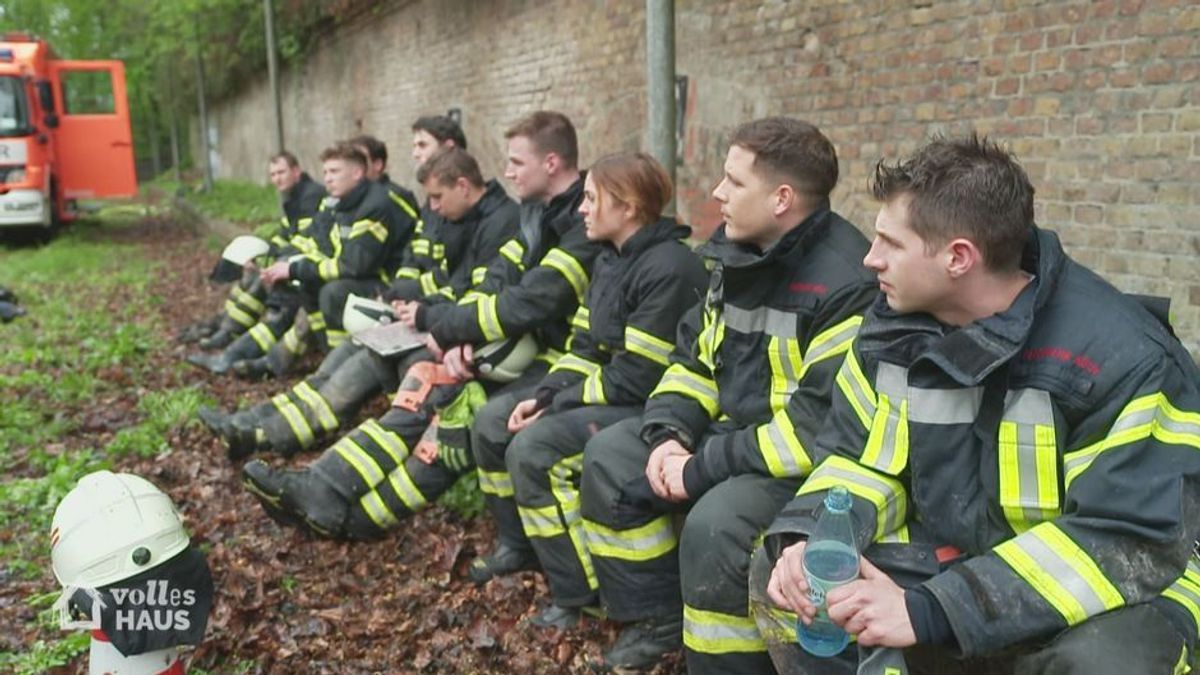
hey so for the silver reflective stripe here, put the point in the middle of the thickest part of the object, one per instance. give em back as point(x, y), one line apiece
point(892, 380)
point(1028, 406)
point(892, 499)
point(1061, 572)
point(782, 448)
point(944, 406)
point(761, 320)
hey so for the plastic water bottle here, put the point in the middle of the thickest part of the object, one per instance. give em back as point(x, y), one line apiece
point(830, 560)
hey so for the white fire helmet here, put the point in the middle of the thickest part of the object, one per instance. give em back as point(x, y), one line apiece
point(363, 313)
point(240, 251)
point(505, 360)
point(110, 527)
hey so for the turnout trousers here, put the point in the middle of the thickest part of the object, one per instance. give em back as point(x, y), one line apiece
point(531, 482)
point(645, 569)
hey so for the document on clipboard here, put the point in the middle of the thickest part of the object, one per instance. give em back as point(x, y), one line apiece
point(390, 339)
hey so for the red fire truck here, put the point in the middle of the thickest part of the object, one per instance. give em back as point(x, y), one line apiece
point(64, 133)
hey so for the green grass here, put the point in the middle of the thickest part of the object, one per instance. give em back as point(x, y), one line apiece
point(91, 326)
point(238, 201)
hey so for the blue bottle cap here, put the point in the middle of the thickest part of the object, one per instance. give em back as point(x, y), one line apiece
point(838, 499)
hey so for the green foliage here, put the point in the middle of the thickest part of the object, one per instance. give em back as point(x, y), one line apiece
point(464, 497)
point(45, 655)
point(163, 412)
point(238, 201)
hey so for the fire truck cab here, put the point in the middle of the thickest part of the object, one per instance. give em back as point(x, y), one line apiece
point(64, 133)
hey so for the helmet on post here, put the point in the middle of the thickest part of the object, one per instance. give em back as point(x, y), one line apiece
point(111, 527)
point(505, 360)
point(240, 251)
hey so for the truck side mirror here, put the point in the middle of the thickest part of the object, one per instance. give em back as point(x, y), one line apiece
point(51, 121)
point(45, 96)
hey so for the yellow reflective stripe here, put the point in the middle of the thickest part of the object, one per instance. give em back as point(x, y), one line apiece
point(489, 320)
point(563, 477)
point(576, 364)
point(781, 449)
point(297, 423)
point(647, 542)
point(783, 355)
point(857, 390)
point(679, 380)
point(478, 275)
point(1028, 460)
point(316, 321)
point(1146, 416)
point(420, 247)
point(408, 208)
point(831, 342)
point(549, 355)
point(354, 455)
point(428, 284)
point(887, 443)
point(716, 633)
point(566, 264)
point(709, 341)
point(1061, 572)
point(328, 269)
point(885, 493)
point(513, 250)
point(541, 521)
point(390, 441)
point(646, 345)
point(408, 273)
point(318, 404)
point(239, 315)
point(439, 252)
point(378, 511)
point(251, 303)
point(581, 320)
point(291, 341)
point(497, 483)
point(404, 487)
point(262, 336)
point(593, 389)
point(900, 536)
point(1185, 592)
point(335, 337)
point(1182, 667)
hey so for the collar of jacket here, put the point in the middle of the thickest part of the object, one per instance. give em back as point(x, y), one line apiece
point(293, 193)
point(354, 197)
point(561, 211)
point(791, 246)
point(665, 228)
point(971, 353)
point(493, 196)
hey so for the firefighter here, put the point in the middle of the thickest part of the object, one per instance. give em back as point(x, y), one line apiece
point(529, 459)
point(1019, 440)
point(728, 431)
point(478, 218)
point(372, 479)
point(248, 301)
point(430, 134)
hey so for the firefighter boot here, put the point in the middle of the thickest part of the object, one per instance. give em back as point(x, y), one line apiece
point(323, 510)
point(244, 347)
point(267, 485)
point(200, 329)
point(215, 420)
point(218, 340)
point(641, 645)
point(254, 369)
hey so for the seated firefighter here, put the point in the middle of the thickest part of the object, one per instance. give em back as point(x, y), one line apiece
point(353, 246)
point(1025, 481)
point(473, 220)
point(528, 444)
point(726, 434)
point(248, 301)
point(374, 477)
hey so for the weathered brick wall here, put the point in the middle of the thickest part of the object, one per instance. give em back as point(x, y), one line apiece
point(1099, 99)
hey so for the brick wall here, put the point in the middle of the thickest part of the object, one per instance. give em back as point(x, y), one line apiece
point(1099, 99)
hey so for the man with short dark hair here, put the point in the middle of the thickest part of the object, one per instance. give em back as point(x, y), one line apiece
point(1024, 475)
point(727, 434)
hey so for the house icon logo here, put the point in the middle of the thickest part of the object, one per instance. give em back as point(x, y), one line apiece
point(63, 606)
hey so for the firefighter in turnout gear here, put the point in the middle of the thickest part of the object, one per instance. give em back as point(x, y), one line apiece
point(476, 219)
point(728, 431)
point(1024, 476)
point(248, 302)
point(623, 335)
point(323, 326)
point(371, 479)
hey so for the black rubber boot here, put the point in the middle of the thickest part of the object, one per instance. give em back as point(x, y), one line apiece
point(200, 329)
point(641, 645)
point(254, 369)
point(502, 560)
point(244, 347)
point(266, 484)
point(215, 420)
point(242, 438)
point(324, 511)
point(558, 618)
point(218, 340)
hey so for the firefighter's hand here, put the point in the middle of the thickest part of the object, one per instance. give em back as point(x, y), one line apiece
point(275, 273)
point(873, 608)
point(459, 361)
point(673, 477)
point(434, 348)
point(788, 587)
point(249, 265)
point(426, 452)
point(655, 465)
point(406, 312)
point(523, 415)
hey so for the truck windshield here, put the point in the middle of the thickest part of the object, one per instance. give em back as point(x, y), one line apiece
point(14, 110)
